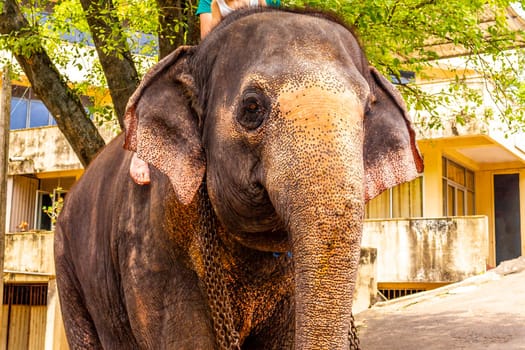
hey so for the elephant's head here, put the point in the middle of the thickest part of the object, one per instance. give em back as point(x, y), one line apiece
point(294, 131)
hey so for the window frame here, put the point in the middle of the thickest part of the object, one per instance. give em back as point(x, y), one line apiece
point(452, 189)
point(390, 201)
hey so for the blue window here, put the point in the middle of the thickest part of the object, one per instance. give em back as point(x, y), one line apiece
point(18, 113)
point(404, 78)
point(28, 113)
point(39, 115)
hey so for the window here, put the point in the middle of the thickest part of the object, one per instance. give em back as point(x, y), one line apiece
point(402, 201)
point(18, 113)
point(51, 201)
point(38, 114)
point(42, 220)
point(458, 189)
point(27, 111)
point(403, 78)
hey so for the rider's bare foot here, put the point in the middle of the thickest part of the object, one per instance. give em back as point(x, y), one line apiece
point(139, 170)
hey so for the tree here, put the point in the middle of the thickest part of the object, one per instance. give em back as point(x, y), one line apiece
point(47, 82)
point(412, 34)
point(398, 35)
point(34, 38)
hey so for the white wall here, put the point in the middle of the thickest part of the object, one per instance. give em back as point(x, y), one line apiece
point(428, 250)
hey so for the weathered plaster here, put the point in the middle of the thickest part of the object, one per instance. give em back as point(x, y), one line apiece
point(29, 253)
point(29, 258)
point(366, 283)
point(428, 250)
point(45, 149)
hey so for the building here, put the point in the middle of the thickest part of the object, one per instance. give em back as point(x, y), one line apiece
point(41, 169)
point(466, 213)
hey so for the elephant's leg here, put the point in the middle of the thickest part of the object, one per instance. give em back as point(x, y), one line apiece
point(277, 332)
point(79, 326)
point(164, 303)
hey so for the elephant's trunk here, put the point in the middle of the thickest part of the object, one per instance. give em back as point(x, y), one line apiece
point(325, 254)
point(325, 234)
point(316, 184)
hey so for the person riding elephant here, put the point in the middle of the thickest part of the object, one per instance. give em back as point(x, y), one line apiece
point(211, 12)
point(269, 136)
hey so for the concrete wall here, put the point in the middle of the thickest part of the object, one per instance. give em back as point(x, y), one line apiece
point(29, 253)
point(406, 250)
point(40, 149)
point(366, 284)
point(45, 149)
point(428, 250)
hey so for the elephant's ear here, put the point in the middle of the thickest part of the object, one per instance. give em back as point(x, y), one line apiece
point(390, 149)
point(162, 127)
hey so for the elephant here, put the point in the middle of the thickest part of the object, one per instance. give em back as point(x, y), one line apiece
point(265, 141)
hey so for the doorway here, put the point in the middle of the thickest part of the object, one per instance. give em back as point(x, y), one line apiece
point(507, 216)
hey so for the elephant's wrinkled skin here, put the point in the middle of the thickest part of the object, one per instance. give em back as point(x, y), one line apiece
point(293, 132)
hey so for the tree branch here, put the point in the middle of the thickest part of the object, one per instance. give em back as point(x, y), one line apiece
point(175, 26)
point(46, 81)
point(116, 60)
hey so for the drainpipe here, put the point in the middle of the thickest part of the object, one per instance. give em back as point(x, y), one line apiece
point(5, 111)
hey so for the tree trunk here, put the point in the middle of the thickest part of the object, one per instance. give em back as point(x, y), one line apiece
point(177, 25)
point(118, 65)
point(47, 82)
point(5, 111)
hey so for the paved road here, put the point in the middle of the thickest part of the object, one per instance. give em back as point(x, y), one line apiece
point(482, 312)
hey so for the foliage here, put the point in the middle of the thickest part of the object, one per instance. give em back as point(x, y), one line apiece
point(53, 211)
point(405, 35)
point(398, 35)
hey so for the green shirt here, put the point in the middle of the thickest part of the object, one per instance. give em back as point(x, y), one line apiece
point(205, 5)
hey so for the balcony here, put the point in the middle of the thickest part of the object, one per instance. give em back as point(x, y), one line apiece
point(28, 256)
point(428, 250)
point(43, 149)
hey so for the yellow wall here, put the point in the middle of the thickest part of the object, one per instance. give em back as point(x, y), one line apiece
point(485, 206)
point(434, 150)
point(57, 174)
point(432, 180)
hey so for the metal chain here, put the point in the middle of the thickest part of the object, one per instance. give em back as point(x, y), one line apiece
point(227, 338)
point(352, 335)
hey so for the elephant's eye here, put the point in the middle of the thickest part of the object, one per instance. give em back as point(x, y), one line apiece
point(253, 111)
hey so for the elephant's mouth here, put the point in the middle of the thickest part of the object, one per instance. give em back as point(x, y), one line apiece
point(269, 241)
point(250, 218)
point(259, 227)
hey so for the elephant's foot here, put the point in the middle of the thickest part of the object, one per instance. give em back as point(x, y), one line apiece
point(139, 170)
